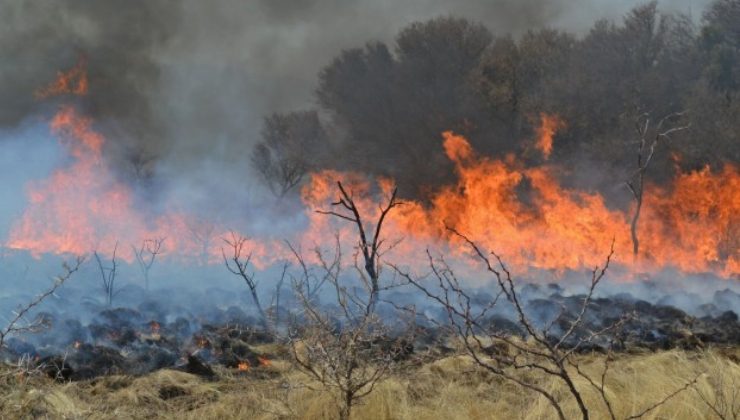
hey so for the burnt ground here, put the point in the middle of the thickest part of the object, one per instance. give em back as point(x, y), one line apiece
point(136, 341)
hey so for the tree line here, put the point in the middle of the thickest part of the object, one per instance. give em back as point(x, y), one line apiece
point(381, 108)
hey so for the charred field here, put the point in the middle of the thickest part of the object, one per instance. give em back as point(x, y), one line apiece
point(370, 210)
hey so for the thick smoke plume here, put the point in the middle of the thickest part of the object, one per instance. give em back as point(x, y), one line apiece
point(175, 81)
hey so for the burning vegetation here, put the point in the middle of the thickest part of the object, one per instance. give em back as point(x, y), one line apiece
point(476, 227)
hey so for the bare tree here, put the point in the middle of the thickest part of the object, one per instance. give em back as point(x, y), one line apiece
point(370, 247)
point(310, 282)
point(545, 351)
point(288, 150)
point(19, 323)
point(238, 263)
point(202, 233)
point(108, 275)
point(275, 302)
point(344, 346)
point(146, 254)
point(649, 138)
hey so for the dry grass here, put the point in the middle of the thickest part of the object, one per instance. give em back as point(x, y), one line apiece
point(451, 388)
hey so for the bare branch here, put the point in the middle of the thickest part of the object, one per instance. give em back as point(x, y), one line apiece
point(19, 323)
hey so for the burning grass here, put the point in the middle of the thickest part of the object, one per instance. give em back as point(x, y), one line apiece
point(452, 388)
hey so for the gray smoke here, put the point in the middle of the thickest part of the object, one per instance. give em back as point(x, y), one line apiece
point(172, 82)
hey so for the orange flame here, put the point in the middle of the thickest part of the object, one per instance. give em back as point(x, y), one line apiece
point(523, 213)
point(243, 366)
point(549, 124)
point(73, 82)
point(83, 207)
point(264, 361)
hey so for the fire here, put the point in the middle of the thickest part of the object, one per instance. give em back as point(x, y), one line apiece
point(243, 366)
point(264, 361)
point(523, 213)
point(154, 327)
point(72, 82)
point(202, 342)
point(549, 124)
point(83, 207)
point(72, 211)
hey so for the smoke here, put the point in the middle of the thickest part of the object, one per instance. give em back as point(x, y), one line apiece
point(28, 153)
point(172, 82)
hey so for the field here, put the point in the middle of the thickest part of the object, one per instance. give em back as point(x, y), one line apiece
point(450, 388)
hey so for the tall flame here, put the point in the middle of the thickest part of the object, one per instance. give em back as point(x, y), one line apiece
point(523, 213)
point(549, 124)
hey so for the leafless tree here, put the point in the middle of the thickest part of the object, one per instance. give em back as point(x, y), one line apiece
point(146, 254)
point(345, 346)
point(20, 323)
point(275, 303)
point(370, 247)
point(238, 262)
point(311, 282)
point(545, 351)
point(288, 150)
point(108, 275)
point(202, 233)
point(650, 135)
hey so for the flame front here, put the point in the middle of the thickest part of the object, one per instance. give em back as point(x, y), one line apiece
point(529, 218)
point(522, 213)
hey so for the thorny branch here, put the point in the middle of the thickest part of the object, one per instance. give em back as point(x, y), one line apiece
point(19, 323)
point(552, 355)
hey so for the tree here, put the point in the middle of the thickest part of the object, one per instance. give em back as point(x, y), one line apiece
point(370, 246)
point(544, 350)
point(616, 73)
point(392, 107)
point(238, 263)
point(649, 138)
point(520, 80)
point(345, 347)
point(289, 149)
point(108, 276)
point(146, 254)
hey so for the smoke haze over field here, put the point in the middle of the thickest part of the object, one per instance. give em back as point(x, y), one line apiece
point(180, 80)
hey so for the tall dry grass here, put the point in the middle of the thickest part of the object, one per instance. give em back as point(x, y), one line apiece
point(450, 388)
